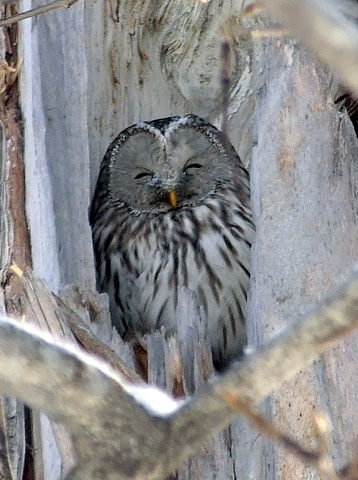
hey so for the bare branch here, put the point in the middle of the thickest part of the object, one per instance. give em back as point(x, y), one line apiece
point(37, 11)
point(318, 458)
point(269, 430)
point(110, 418)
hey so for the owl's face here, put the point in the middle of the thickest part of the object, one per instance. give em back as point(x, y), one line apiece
point(167, 164)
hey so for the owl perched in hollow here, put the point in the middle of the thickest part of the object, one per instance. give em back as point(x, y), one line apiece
point(170, 210)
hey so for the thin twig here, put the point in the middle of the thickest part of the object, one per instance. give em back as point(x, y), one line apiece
point(233, 28)
point(268, 429)
point(324, 463)
point(319, 458)
point(274, 32)
point(37, 11)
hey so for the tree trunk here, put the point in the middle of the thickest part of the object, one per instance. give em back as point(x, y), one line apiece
point(93, 69)
point(304, 181)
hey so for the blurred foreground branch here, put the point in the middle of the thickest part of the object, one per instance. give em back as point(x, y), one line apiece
point(329, 28)
point(135, 431)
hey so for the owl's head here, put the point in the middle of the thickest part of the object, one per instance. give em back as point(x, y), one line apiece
point(169, 163)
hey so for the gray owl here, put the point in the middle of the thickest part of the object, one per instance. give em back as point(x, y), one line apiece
point(170, 210)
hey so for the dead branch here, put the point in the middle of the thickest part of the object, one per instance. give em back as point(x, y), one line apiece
point(318, 458)
point(37, 11)
point(98, 405)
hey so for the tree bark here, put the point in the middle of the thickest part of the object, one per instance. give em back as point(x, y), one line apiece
point(304, 179)
point(100, 66)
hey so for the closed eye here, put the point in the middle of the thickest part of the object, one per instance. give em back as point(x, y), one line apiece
point(142, 174)
point(192, 165)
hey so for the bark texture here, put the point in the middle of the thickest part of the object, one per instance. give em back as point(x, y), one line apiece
point(304, 177)
point(102, 65)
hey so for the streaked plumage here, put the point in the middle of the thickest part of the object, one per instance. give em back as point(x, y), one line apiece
point(171, 209)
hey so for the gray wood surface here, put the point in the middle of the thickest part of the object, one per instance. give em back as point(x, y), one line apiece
point(102, 65)
point(304, 177)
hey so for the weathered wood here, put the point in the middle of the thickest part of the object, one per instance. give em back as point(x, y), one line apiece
point(12, 435)
point(182, 364)
point(54, 103)
point(14, 239)
point(102, 65)
point(305, 181)
point(87, 316)
point(140, 61)
point(314, 22)
point(153, 59)
point(35, 305)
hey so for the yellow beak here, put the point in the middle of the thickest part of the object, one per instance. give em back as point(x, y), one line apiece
point(173, 198)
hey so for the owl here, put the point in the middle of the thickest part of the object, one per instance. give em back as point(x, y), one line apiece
point(170, 210)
